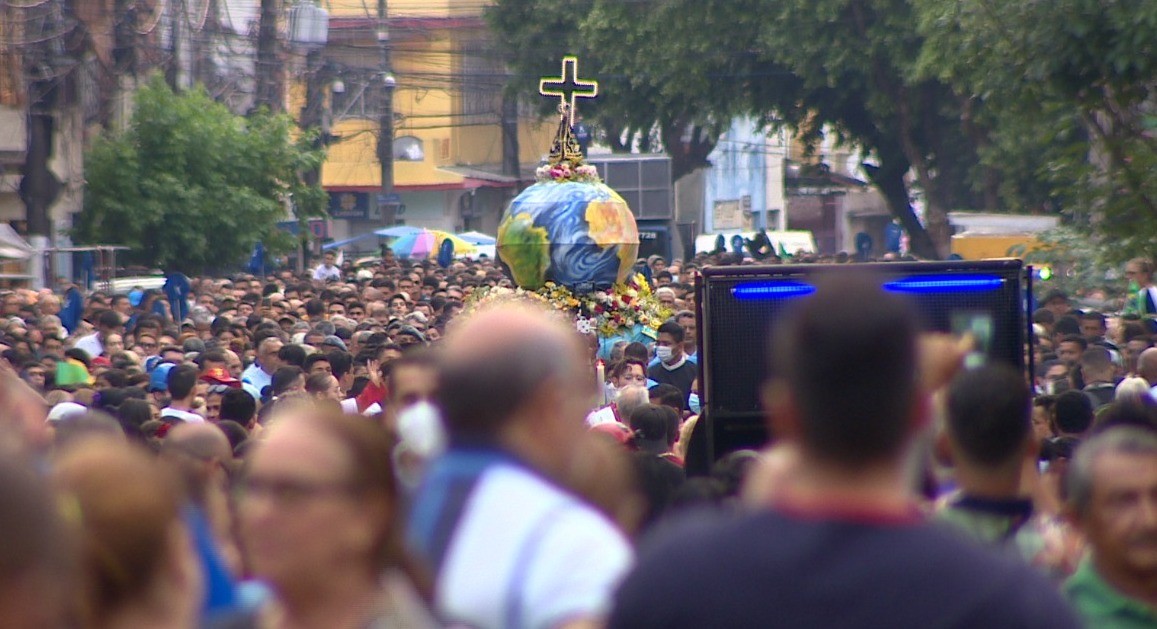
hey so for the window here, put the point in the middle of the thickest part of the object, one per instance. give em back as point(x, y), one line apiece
point(408, 149)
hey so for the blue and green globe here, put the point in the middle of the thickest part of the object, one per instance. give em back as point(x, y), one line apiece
point(578, 234)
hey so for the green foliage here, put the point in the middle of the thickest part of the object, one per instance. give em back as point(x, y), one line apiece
point(854, 68)
point(647, 84)
point(189, 186)
point(1079, 264)
point(1065, 102)
point(688, 67)
point(1042, 106)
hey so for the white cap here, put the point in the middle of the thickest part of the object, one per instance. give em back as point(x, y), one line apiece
point(64, 410)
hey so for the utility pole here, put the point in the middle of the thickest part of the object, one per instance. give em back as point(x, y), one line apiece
point(202, 41)
point(313, 113)
point(510, 165)
point(270, 71)
point(125, 61)
point(387, 202)
point(43, 68)
point(173, 72)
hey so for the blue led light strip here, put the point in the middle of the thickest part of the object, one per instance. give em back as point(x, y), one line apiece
point(959, 283)
point(914, 284)
point(772, 290)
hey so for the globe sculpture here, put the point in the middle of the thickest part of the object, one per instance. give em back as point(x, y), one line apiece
point(569, 228)
point(578, 234)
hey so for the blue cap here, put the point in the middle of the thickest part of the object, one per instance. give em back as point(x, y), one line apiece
point(159, 379)
point(135, 296)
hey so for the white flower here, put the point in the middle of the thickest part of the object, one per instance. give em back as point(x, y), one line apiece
point(585, 326)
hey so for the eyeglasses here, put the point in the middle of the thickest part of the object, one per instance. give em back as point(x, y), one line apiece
point(287, 491)
point(219, 388)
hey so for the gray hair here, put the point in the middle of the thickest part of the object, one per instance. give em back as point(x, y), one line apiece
point(1134, 388)
point(630, 398)
point(1117, 440)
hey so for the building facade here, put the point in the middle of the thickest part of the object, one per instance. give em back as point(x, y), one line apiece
point(763, 179)
point(455, 138)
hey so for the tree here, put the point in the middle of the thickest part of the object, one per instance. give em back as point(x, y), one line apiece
point(1079, 265)
point(639, 103)
point(855, 62)
point(189, 186)
point(687, 67)
point(1075, 95)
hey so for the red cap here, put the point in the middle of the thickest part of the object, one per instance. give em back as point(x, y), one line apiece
point(219, 375)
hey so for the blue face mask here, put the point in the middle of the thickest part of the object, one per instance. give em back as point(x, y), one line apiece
point(693, 403)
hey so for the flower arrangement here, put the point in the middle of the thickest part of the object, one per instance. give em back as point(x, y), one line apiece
point(563, 172)
point(606, 313)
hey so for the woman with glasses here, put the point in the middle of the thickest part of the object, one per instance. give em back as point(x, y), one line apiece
point(628, 372)
point(319, 524)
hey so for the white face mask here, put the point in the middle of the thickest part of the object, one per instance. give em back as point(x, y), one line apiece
point(663, 353)
point(420, 428)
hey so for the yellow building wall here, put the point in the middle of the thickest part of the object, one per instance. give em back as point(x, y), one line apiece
point(425, 104)
point(995, 246)
point(405, 8)
point(478, 145)
point(420, 110)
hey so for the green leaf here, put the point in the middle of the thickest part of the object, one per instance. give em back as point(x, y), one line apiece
point(190, 186)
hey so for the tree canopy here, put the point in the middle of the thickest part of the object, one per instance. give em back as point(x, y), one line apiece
point(970, 104)
point(1068, 104)
point(190, 186)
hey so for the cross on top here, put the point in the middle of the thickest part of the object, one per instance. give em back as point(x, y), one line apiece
point(568, 87)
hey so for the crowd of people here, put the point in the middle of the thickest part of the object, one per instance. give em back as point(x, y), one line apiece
point(359, 447)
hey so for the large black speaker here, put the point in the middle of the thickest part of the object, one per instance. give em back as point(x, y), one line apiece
point(738, 307)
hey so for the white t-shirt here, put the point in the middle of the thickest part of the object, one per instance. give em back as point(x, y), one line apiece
point(526, 554)
point(323, 273)
point(257, 377)
point(185, 416)
point(91, 345)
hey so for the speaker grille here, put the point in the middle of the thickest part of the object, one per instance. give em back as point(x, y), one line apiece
point(740, 306)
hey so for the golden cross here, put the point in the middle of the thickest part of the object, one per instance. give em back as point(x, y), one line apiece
point(568, 87)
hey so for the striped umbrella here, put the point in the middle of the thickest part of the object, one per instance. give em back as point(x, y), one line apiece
point(416, 245)
point(425, 243)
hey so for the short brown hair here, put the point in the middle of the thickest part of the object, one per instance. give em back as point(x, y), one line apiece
point(125, 503)
point(848, 355)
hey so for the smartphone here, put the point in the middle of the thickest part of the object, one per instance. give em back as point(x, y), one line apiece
point(979, 326)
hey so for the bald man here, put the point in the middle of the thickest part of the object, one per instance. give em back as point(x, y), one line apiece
point(508, 545)
point(1147, 369)
point(201, 453)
